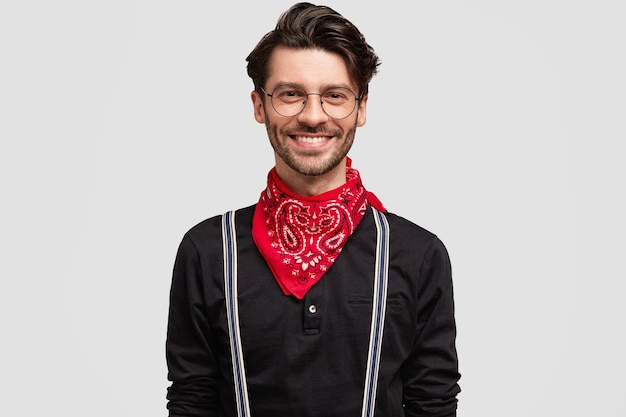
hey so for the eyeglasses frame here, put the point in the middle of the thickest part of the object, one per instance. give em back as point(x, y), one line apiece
point(271, 96)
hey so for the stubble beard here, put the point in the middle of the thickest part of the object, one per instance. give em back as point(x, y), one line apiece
point(309, 163)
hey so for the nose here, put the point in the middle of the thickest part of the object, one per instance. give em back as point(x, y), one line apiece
point(313, 114)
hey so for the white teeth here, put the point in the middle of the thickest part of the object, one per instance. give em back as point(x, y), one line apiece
point(310, 140)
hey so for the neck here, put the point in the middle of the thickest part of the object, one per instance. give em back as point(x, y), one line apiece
point(312, 185)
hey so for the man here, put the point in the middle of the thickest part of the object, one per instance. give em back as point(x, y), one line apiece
point(315, 301)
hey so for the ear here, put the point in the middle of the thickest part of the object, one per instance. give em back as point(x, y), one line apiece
point(258, 106)
point(362, 111)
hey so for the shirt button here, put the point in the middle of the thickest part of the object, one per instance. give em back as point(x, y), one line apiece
point(312, 309)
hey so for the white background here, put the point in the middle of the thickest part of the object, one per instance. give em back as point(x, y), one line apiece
point(498, 125)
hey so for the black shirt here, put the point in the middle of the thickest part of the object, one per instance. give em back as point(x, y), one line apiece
point(308, 357)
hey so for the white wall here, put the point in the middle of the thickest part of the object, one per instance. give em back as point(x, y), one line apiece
point(497, 125)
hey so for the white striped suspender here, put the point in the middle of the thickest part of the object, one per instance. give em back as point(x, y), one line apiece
point(229, 240)
point(379, 305)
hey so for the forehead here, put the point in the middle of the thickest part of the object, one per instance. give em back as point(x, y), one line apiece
point(311, 68)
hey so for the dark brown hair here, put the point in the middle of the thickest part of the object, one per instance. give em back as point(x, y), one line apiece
point(305, 25)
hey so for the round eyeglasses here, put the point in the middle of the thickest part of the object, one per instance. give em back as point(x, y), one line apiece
point(337, 102)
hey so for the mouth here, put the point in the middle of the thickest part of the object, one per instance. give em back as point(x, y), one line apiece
point(310, 139)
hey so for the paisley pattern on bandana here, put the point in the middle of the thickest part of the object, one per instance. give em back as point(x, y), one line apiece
point(301, 237)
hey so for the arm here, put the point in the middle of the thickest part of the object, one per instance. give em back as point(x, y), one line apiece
point(191, 364)
point(431, 373)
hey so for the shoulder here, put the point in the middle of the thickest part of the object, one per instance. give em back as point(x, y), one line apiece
point(208, 232)
point(413, 240)
point(406, 229)
point(212, 224)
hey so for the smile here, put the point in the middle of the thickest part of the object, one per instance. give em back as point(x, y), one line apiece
point(308, 139)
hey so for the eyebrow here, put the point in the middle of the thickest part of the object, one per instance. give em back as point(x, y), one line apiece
point(301, 87)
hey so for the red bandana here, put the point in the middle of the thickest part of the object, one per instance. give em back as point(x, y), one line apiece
point(301, 237)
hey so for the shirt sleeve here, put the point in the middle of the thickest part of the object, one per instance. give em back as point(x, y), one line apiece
point(431, 373)
point(192, 367)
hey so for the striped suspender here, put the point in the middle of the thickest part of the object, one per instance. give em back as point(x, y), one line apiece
point(379, 305)
point(229, 241)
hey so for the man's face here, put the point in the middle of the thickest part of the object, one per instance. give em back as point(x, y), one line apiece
point(310, 143)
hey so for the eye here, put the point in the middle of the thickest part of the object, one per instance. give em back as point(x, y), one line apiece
point(337, 96)
point(289, 95)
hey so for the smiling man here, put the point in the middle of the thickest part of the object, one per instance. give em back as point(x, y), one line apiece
point(315, 301)
point(311, 133)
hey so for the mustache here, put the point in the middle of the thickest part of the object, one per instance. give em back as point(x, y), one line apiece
point(311, 130)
